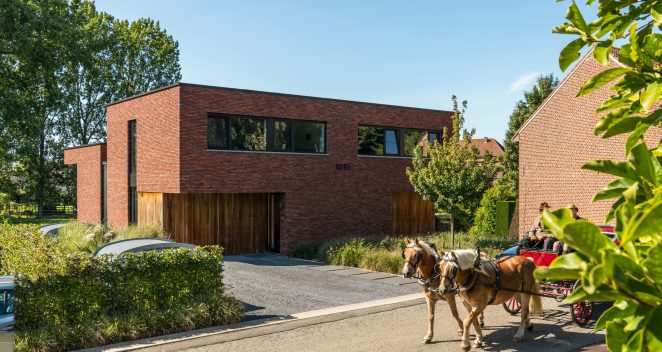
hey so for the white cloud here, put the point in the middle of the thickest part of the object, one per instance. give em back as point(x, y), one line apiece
point(522, 81)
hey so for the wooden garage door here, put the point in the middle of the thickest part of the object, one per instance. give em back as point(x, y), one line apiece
point(237, 222)
point(411, 214)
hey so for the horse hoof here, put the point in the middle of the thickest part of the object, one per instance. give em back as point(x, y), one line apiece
point(529, 328)
point(518, 339)
point(460, 332)
point(427, 341)
point(482, 324)
point(466, 348)
point(478, 344)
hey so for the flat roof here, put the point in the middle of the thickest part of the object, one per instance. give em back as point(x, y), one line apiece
point(85, 145)
point(270, 93)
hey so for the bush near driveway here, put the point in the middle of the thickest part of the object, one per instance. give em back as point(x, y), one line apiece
point(78, 236)
point(384, 253)
point(70, 300)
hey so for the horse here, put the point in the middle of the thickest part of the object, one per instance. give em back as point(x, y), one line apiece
point(482, 282)
point(419, 257)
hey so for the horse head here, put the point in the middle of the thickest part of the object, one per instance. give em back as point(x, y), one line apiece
point(448, 269)
point(412, 255)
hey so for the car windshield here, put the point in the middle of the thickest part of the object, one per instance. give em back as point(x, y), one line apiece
point(6, 302)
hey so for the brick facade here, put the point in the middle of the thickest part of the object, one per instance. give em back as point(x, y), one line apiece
point(88, 161)
point(319, 201)
point(557, 140)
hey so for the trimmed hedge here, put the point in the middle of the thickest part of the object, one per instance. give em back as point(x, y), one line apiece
point(504, 217)
point(69, 300)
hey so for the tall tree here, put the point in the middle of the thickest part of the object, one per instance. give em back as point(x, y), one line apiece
point(506, 187)
point(451, 176)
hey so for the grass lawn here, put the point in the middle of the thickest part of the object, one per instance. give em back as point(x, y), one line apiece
point(39, 221)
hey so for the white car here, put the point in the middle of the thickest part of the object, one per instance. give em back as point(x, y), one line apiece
point(6, 313)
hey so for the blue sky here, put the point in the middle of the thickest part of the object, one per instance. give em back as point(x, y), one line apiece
point(411, 53)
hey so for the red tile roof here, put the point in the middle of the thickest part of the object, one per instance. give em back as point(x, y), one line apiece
point(488, 145)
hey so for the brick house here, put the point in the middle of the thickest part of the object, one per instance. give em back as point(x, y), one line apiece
point(255, 171)
point(558, 139)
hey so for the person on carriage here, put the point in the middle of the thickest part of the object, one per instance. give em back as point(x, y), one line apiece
point(537, 236)
point(559, 246)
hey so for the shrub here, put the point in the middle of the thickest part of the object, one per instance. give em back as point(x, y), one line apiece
point(388, 261)
point(306, 250)
point(77, 236)
point(25, 250)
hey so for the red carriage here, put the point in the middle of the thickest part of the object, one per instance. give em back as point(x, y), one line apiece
point(581, 311)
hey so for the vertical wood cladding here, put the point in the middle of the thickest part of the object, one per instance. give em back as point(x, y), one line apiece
point(411, 214)
point(237, 222)
point(150, 208)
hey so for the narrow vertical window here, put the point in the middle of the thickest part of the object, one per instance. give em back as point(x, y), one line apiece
point(133, 194)
point(104, 193)
point(392, 142)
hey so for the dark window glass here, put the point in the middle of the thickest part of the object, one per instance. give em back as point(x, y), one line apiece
point(281, 136)
point(217, 133)
point(371, 140)
point(413, 138)
point(308, 136)
point(434, 137)
point(248, 133)
point(133, 194)
point(392, 142)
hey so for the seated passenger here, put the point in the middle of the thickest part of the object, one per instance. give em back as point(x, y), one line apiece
point(536, 237)
point(560, 247)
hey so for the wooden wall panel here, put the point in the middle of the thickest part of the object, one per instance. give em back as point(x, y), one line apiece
point(236, 221)
point(411, 214)
point(150, 208)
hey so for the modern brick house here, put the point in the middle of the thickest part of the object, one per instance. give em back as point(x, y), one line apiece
point(255, 171)
point(558, 139)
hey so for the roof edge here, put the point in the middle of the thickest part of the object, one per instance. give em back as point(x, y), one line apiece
point(144, 93)
point(85, 145)
point(551, 95)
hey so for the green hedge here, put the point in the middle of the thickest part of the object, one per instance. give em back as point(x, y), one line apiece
point(69, 300)
point(504, 217)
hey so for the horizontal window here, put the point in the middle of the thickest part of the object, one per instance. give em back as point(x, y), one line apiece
point(265, 134)
point(374, 140)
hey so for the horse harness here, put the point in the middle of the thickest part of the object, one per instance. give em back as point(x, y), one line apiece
point(436, 271)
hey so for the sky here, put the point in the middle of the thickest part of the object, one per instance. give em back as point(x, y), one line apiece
point(411, 53)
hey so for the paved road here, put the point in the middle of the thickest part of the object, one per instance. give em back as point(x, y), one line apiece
point(275, 286)
point(403, 329)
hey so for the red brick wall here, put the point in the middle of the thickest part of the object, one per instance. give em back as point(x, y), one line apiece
point(88, 161)
point(558, 141)
point(319, 201)
point(157, 140)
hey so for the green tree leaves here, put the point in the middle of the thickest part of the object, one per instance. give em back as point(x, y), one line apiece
point(451, 176)
point(629, 273)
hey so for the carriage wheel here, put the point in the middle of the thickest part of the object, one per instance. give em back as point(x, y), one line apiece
point(581, 311)
point(512, 306)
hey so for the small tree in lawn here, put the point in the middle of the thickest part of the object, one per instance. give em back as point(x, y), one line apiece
point(629, 273)
point(451, 175)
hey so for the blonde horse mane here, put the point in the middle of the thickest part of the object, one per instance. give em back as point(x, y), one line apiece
point(426, 248)
point(466, 259)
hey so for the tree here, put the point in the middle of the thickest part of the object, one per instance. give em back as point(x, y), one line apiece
point(628, 273)
point(506, 187)
point(451, 175)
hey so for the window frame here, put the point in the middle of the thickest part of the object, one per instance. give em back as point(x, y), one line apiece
point(400, 139)
point(270, 134)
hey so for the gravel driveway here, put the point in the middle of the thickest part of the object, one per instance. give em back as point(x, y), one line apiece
point(274, 286)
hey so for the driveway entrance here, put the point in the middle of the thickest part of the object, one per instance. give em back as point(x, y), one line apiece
point(274, 286)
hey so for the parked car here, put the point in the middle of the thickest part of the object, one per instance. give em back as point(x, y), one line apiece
point(6, 313)
point(139, 245)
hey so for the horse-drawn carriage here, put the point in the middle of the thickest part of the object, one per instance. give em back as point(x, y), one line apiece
point(581, 311)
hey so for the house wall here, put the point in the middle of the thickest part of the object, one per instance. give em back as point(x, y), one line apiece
point(158, 144)
point(319, 201)
point(558, 141)
point(88, 161)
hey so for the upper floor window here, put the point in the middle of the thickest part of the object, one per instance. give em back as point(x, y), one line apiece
point(373, 140)
point(265, 134)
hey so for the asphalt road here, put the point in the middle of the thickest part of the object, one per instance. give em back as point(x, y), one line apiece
point(403, 329)
point(275, 286)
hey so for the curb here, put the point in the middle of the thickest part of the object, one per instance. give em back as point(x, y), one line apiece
point(259, 327)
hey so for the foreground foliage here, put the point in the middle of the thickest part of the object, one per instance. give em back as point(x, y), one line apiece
point(628, 274)
point(69, 300)
point(81, 237)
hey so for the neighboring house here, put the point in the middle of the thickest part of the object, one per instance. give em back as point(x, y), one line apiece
point(255, 171)
point(558, 139)
point(487, 145)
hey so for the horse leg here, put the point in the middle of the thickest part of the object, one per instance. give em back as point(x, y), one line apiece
point(476, 320)
point(472, 318)
point(525, 322)
point(431, 307)
point(450, 299)
point(481, 320)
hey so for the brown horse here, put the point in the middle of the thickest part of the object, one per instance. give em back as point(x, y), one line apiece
point(481, 283)
point(420, 258)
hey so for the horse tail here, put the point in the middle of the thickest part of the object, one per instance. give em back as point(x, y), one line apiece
point(535, 304)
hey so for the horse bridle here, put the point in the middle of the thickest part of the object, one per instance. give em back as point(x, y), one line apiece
point(419, 256)
point(455, 267)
